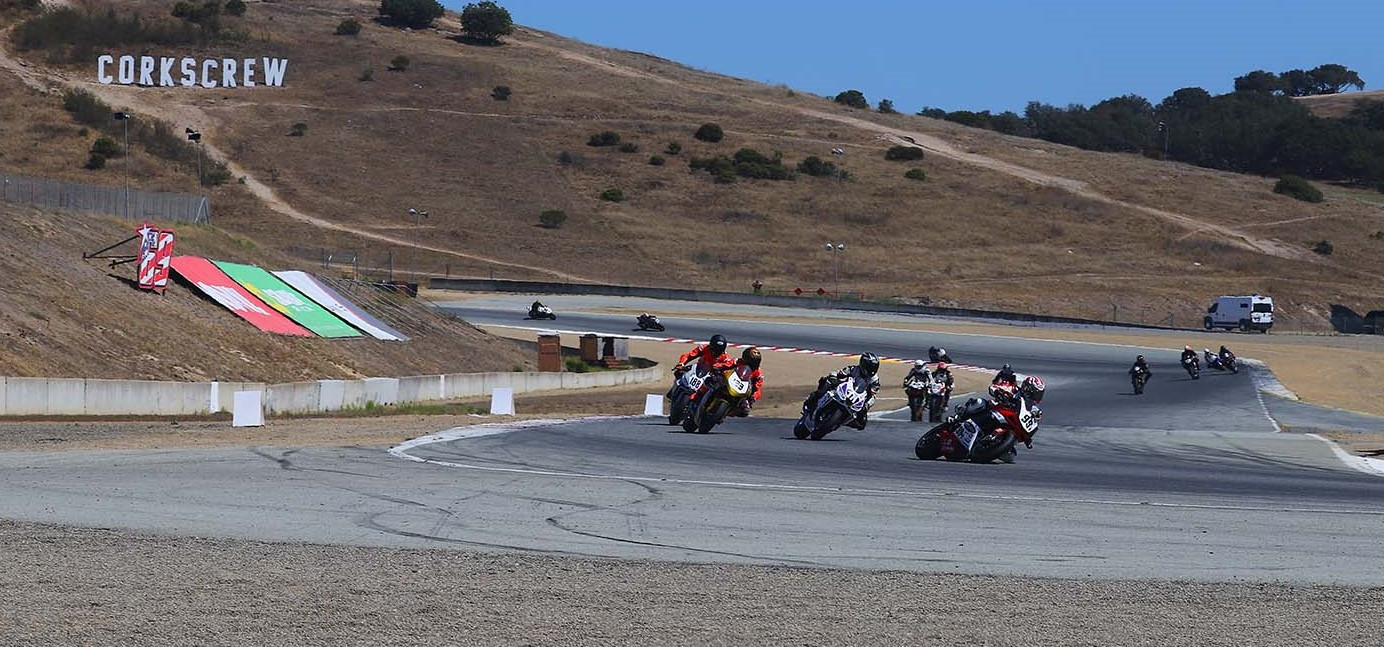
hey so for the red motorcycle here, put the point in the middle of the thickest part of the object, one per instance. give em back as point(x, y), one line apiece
point(982, 430)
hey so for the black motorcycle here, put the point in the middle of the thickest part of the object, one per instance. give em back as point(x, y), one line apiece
point(1193, 367)
point(1138, 377)
point(649, 322)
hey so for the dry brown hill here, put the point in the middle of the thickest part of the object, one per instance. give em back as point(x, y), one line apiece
point(1000, 222)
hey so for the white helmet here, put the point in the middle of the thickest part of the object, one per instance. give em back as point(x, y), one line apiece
point(918, 363)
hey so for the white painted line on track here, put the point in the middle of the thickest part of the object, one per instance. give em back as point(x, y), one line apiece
point(1371, 466)
point(478, 431)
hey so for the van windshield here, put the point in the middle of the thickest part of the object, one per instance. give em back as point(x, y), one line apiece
point(1263, 307)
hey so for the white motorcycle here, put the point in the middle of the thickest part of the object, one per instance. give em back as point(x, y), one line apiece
point(838, 404)
point(541, 312)
point(681, 395)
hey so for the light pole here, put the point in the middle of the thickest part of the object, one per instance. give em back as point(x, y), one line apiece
point(125, 117)
point(417, 237)
point(1163, 126)
point(196, 138)
point(836, 250)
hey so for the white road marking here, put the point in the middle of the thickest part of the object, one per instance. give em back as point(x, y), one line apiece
point(478, 431)
point(1371, 466)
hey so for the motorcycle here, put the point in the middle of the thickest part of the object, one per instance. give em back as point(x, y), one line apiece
point(1193, 367)
point(541, 312)
point(981, 431)
point(938, 394)
point(724, 392)
point(1219, 363)
point(844, 401)
point(1138, 377)
point(688, 382)
point(650, 322)
point(916, 388)
point(1230, 363)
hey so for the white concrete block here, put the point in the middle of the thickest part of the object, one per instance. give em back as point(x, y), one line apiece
point(502, 401)
point(247, 409)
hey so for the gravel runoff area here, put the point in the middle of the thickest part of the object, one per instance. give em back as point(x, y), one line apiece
point(96, 586)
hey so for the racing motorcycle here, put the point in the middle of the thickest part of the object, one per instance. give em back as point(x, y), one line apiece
point(1193, 366)
point(938, 393)
point(724, 391)
point(649, 322)
point(541, 312)
point(688, 381)
point(916, 388)
point(982, 431)
point(843, 401)
point(1219, 363)
point(1138, 377)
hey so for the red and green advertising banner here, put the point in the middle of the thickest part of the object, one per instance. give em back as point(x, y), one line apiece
point(201, 273)
point(281, 297)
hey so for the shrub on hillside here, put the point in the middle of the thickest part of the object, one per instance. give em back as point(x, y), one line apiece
point(567, 158)
point(613, 195)
point(816, 167)
point(95, 162)
point(915, 174)
point(235, 7)
point(399, 63)
point(217, 174)
point(486, 22)
point(414, 14)
point(852, 98)
point(348, 27)
point(903, 153)
point(299, 129)
point(657, 160)
point(367, 74)
point(105, 147)
point(629, 147)
point(1323, 247)
point(86, 108)
point(604, 138)
point(674, 148)
point(886, 107)
point(552, 218)
point(500, 93)
point(746, 163)
point(709, 133)
point(1380, 187)
point(1297, 188)
point(78, 35)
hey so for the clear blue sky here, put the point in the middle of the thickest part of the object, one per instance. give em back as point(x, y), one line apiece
point(996, 55)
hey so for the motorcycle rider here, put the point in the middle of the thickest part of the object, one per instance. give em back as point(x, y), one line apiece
point(646, 319)
point(1226, 356)
point(919, 371)
point(938, 354)
point(866, 369)
point(1212, 360)
point(710, 356)
point(943, 374)
point(1141, 364)
point(1188, 353)
point(751, 358)
point(533, 309)
point(1006, 374)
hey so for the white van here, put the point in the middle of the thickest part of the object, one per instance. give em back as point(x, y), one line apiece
point(1253, 312)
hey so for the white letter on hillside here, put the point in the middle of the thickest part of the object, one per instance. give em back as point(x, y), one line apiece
point(101, 75)
point(208, 79)
point(228, 73)
point(127, 70)
point(189, 67)
point(274, 71)
point(248, 66)
point(166, 72)
point(146, 70)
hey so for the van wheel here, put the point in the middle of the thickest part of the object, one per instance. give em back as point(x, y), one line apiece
point(1206, 323)
point(1244, 325)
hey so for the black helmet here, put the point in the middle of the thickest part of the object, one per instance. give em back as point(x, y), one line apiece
point(869, 364)
point(717, 345)
point(1006, 369)
point(751, 357)
point(1139, 358)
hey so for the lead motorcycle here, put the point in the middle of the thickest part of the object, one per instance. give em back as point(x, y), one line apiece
point(541, 312)
point(843, 401)
point(916, 388)
point(724, 391)
point(1192, 366)
point(1138, 377)
point(687, 381)
point(649, 322)
point(982, 431)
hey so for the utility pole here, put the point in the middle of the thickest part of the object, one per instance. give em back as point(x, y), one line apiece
point(125, 117)
point(196, 138)
point(417, 235)
point(836, 250)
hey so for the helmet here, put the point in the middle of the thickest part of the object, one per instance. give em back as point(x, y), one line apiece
point(917, 363)
point(1139, 358)
point(941, 366)
point(1006, 369)
point(717, 345)
point(869, 364)
point(1033, 389)
point(751, 357)
point(1187, 348)
point(1206, 350)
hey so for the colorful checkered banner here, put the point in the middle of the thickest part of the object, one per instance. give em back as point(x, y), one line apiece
point(330, 299)
point(202, 274)
point(285, 299)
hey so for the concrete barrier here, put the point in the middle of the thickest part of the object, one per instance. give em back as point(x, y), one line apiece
point(40, 396)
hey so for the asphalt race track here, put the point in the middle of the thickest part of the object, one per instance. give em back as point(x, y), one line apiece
point(1190, 480)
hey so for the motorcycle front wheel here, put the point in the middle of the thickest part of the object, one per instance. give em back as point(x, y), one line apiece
point(929, 446)
point(991, 446)
point(711, 415)
point(676, 412)
point(828, 421)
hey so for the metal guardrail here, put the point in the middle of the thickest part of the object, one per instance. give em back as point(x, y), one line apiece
point(131, 204)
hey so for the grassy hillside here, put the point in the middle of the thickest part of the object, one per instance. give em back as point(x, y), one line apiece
point(999, 222)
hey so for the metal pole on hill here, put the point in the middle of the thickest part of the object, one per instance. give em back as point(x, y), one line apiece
point(836, 250)
point(125, 117)
point(196, 138)
point(417, 236)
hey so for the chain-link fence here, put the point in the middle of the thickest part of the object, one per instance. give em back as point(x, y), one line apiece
point(133, 204)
